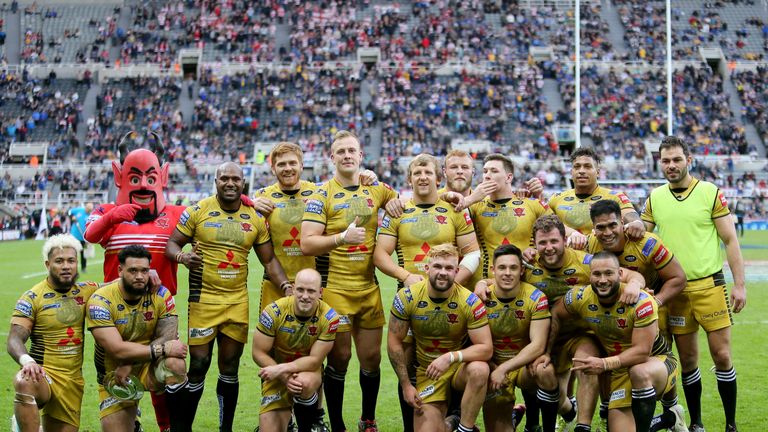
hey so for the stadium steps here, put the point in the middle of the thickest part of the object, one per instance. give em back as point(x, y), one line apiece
point(13, 36)
point(551, 92)
point(610, 14)
point(750, 131)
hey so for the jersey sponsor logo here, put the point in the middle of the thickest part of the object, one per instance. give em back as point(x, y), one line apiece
point(333, 326)
point(593, 320)
point(428, 390)
point(537, 272)
point(453, 305)
point(49, 295)
point(479, 310)
point(596, 198)
point(277, 195)
point(24, 307)
point(676, 321)
point(121, 307)
point(31, 295)
point(184, 218)
point(306, 193)
point(569, 271)
point(660, 255)
point(441, 209)
point(618, 395)
point(421, 317)
point(200, 332)
point(398, 305)
point(108, 402)
point(723, 201)
point(121, 321)
point(266, 400)
point(489, 214)
point(385, 221)
point(587, 259)
point(314, 207)
point(331, 314)
point(170, 304)
point(543, 304)
point(648, 246)
point(52, 306)
point(620, 310)
point(99, 313)
point(467, 218)
point(490, 303)
point(472, 299)
point(645, 310)
point(519, 303)
point(341, 206)
point(630, 258)
point(592, 307)
point(339, 195)
point(214, 213)
point(409, 210)
point(212, 225)
point(344, 320)
point(623, 198)
point(421, 304)
point(569, 297)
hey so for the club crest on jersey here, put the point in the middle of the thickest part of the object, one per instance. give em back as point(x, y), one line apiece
point(519, 211)
point(621, 323)
point(442, 220)
point(519, 314)
point(452, 318)
point(246, 227)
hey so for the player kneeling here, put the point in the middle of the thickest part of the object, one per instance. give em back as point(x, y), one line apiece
point(442, 315)
point(640, 363)
point(294, 336)
point(136, 332)
point(518, 315)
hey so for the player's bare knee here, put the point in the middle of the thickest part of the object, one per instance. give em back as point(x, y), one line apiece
point(198, 367)
point(26, 386)
point(178, 369)
point(339, 357)
point(641, 376)
point(371, 360)
point(477, 371)
point(722, 358)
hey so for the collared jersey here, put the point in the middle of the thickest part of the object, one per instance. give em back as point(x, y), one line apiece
point(510, 319)
point(422, 226)
point(555, 283)
point(505, 221)
point(135, 322)
point(348, 267)
point(646, 256)
point(573, 210)
point(613, 325)
point(153, 235)
point(224, 241)
point(294, 337)
point(686, 223)
point(57, 330)
point(285, 226)
point(438, 326)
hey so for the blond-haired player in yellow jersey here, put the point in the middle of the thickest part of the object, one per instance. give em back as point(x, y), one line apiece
point(50, 382)
point(339, 228)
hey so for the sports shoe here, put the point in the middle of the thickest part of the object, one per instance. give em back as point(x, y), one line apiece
point(679, 413)
point(367, 426)
point(518, 411)
point(567, 426)
point(731, 428)
point(320, 427)
point(696, 428)
point(537, 428)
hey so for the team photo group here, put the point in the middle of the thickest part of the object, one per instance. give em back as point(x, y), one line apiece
point(512, 308)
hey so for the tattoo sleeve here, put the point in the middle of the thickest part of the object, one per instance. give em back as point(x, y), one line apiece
point(397, 329)
point(167, 329)
point(17, 339)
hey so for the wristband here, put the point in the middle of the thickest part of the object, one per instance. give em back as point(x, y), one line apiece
point(611, 363)
point(164, 349)
point(404, 274)
point(336, 239)
point(152, 354)
point(179, 256)
point(659, 302)
point(450, 356)
point(461, 356)
point(25, 359)
point(343, 237)
point(284, 286)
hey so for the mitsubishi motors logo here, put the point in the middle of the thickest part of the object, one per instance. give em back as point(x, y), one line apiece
point(294, 238)
point(230, 261)
point(70, 338)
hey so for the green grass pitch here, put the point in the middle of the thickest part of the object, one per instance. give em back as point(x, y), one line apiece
point(22, 266)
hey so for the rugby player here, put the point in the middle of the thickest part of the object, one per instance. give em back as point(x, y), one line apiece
point(692, 217)
point(50, 382)
point(339, 227)
point(224, 231)
point(442, 315)
point(294, 335)
point(135, 328)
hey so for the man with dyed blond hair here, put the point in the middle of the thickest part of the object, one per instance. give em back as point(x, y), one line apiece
point(339, 228)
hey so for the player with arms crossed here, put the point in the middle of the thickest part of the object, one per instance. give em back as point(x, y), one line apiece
point(339, 228)
point(136, 331)
point(293, 337)
point(692, 217)
point(224, 231)
point(51, 314)
point(442, 315)
point(639, 359)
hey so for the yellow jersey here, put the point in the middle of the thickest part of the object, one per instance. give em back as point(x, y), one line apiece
point(646, 256)
point(555, 283)
point(294, 336)
point(348, 267)
point(573, 209)
point(510, 319)
point(58, 324)
point(224, 241)
point(135, 322)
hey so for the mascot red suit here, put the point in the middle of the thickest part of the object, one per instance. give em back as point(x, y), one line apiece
point(138, 216)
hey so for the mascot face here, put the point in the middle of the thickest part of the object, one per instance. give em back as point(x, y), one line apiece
point(141, 180)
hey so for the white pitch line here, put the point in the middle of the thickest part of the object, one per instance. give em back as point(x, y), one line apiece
point(31, 275)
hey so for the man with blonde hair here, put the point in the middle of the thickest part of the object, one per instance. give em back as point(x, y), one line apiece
point(339, 228)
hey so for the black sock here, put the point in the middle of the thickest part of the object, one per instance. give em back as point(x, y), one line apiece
point(333, 385)
point(666, 419)
point(532, 408)
point(549, 401)
point(369, 386)
point(463, 428)
point(177, 397)
point(305, 411)
point(604, 410)
point(227, 390)
point(194, 393)
point(406, 410)
point(570, 414)
point(582, 428)
point(726, 385)
point(643, 405)
point(692, 389)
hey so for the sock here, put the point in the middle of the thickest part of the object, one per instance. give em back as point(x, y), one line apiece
point(643, 405)
point(726, 385)
point(666, 419)
point(604, 410)
point(406, 410)
point(531, 409)
point(369, 386)
point(227, 390)
point(570, 414)
point(549, 401)
point(176, 398)
point(305, 411)
point(160, 403)
point(194, 393)
point(463, 428)
point(333, 384)
point(692, 388)
point(582, 428)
